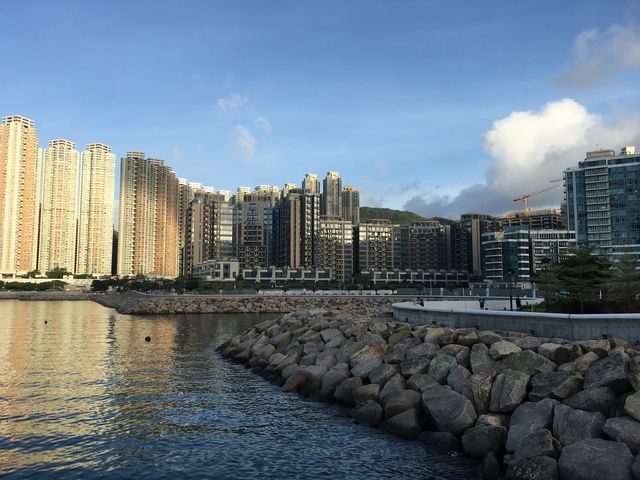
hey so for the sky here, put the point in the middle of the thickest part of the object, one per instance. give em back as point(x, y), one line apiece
point(438, 107)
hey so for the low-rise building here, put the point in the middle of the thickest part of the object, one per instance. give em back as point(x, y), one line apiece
point(280, 276)
point(432, 278)
point(217, 270)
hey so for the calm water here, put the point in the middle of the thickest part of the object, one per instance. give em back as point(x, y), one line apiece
point(84, 396)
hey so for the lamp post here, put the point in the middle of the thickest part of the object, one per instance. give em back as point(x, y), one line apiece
point(511, 273)
point(545, 262)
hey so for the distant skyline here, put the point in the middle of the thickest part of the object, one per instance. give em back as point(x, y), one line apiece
point(436, 107)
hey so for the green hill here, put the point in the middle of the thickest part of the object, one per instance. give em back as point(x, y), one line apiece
point(399, 217)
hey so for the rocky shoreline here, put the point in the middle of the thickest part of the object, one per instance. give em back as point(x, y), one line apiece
point(525, 407)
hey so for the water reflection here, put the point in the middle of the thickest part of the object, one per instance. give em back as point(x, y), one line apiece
point(85, 396)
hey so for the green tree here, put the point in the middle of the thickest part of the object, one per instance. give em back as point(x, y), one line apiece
point(33, 273)
point(583, 275)
point(58, 272)
point(547, 281)
point(625, 283)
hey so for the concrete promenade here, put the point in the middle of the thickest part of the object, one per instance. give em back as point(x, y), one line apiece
point(551, 325)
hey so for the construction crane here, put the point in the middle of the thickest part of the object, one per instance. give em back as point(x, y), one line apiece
point(525, 198)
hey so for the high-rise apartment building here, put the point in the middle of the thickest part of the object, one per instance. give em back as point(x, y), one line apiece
point(252, 229)
point(19, 195)
point(94, 244)
point(548, 219)
point(311, 184)
point(465, 241)
point(57, 248)
point(373, 248)
point(427, 246)
point(148, 234)
point(603, 201)
point(351, 204)
point(332, 195)
point(335, 248)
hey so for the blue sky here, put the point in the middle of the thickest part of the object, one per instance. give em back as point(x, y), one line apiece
point(421, 104)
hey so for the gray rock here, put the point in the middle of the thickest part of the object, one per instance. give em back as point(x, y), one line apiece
point(326, 359)
point(406, 424)
point(560, 353)
point(281, 341)
point(489, 338)
point(401, 401)
point(412, 365)
point(480, 359)
point(527, 343)
point(294, 381)
point(467, 337)
point(440, 366)
point(366, 392)
point(536, 444)
point(457, 377)
point(345, 351)
point(310, 337)
point(393, 385)
point(450, 411)
point(570, 426)
point(375, 350)
point(625, 430)
point(536, 468)
point(432, 334)
point(635, 468)
point(334, 377)
point(482, 439)
point(382, 373)
point(477, 388)
point(336, 342)
point(264, 353)
point(420, 382)
point(452, 349)
point(611, 372)
point(344, 391)
point(427, 350)
point(508, 391)
point(617, 409)
point(495, 419)
point(313, 379)
point(634, 373)
point(329, 334)
point(580, 364)
point(363, 369)
point(463, 357)
point(599, 347)
point(448, 336)
point(502, 349)
point(442, 441)
point(558, 385)
point(308, 360)
point(632, 405)
point(289, 370)
point(596, 399)
point(595, 459)
point(399, 336)
point(527, 361)
point(489, 468)
point(368, 413)
point(528, 418)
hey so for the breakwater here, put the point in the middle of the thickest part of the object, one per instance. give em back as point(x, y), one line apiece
point(526, 407)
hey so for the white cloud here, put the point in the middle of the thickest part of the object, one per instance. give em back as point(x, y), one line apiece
point(263, 124)
point(529, 148)
point(598, 55)
point(244, 141)
point(232, 102)
point(176, 154)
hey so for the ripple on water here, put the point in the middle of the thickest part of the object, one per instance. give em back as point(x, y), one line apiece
point(88, 398)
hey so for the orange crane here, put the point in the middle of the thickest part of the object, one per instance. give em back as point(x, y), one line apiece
point(525, 198)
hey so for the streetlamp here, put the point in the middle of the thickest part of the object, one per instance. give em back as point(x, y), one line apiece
point(545, 262)
point(511, 273)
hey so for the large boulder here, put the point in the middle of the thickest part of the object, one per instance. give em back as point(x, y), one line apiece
point(313, 379)
point(440, 366)
point(632, 405)
point(596, 399)
point(535, 468)
point(382, 373)
point(367, 352)
point(595, 459)
point(482, 439)
point(612, 372)
point(393, 385)
point(467, 337)
point(329, 333)
point(480, 359)
point(457, 377)
point(570, 426)
point(428, 350)
point(407, 424)
point(599, 347)
point(558, 353)
point(580, 364)
point(502, 349)
point(634, 372)
point(528, 418)
point(477, 388)
point(334, 377)
point(420, 382)
point(442, 441)
point(536, 444)
point(363, 369)
point(558, 385)
point(414, 364)
point(451, 411)
point(326, 358)
point(369, 413)
point(527, 361)
point(401, 401)
point(366, 392)
point(344, 391)
point(508, 391)
point(625, 430)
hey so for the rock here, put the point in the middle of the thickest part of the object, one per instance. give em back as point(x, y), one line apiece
point(400, 401)
point(336, 342)
point(558, 385)
point(596, 399)
point(363, 369)
point(480, 359)
point(536, 468)
point(427, 350)
point(457, 377)
point(488, 337)
point(366, 392)
point(382, 373)
point(595, 459)
point(477, 388)
point(264, 353)
point(412, 365)
point(463, 357)
point(395, 355)
point(580, 364)
point(344, 391)
point(536, 444)
point(432, 334)
point(489, 468)
point(326, 359)
point(560, 353)
point(442, 441)
point(599, 347)
point(440, 366)
point(289, 370)
point(508, 391)
point(334, 377)
point(527, 343)
point(452, 349)
point(368, 352)
point(495, 419)
point(611, 372)
point(310, 337)
point(281, 341)
point(398, 337)
point(527, 418)
point(346, 350)
point(393, 385)
point(570, 426)
point(625, 430)
point(467, 337)
point(330, 333)
point(502, 349)
point(635, 468)
point(482, 439)
point(313, 379)
point(450, 411)
point(634, 372)
point(406, 424)
point(617, 409)
point(420, 382)
point(294, 381)
point(632, 405)
point(447, 337)
point(527, 361)
point(368, 413)
point(308, 360)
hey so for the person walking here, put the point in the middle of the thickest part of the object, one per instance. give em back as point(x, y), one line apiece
point(481, 301)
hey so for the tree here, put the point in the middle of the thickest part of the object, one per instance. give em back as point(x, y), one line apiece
point(33, 274)
point(583, 275)
point(625, 283)
point(58, 272)
point(547, 280)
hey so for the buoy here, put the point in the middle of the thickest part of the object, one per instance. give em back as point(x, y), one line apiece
point(147, 339)
point(45, 322)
